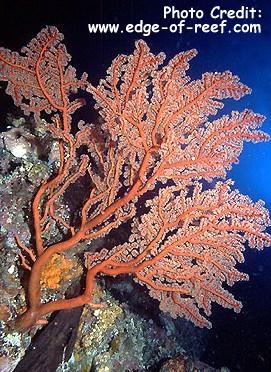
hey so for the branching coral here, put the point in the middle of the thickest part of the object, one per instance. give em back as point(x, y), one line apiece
point(156, 137)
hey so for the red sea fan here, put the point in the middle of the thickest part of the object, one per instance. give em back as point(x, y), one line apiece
point(155, 136)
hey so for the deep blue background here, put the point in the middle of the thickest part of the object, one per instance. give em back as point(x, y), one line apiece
point(242, 342)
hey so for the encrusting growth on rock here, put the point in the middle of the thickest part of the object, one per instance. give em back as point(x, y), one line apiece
point(58, 269)
point(155, 137)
